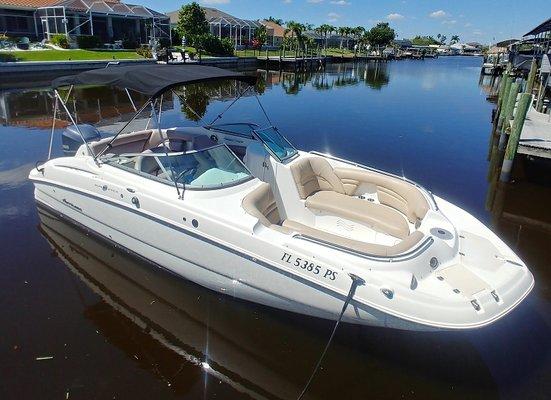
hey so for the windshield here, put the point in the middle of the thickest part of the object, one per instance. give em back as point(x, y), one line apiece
point(211, 168)
point(276, 143)
point(239, 128)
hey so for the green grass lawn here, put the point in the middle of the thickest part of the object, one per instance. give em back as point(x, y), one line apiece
point(65, 55)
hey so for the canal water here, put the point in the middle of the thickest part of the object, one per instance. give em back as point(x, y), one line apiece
point(80, 319)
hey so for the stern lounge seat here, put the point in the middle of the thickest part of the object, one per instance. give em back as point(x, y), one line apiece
point(260, 203)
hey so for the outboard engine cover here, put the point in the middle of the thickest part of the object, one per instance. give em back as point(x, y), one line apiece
point(71, 140)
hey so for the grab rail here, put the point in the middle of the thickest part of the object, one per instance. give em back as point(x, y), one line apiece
point(425, 191)
point(424, 245)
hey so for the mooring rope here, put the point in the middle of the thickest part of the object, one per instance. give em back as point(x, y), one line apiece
point(356, 281)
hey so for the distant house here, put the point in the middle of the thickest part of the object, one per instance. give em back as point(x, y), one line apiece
point(466, 48)
point(110, 19)
point(403, 43)
point(224, 25)
point(275, 33)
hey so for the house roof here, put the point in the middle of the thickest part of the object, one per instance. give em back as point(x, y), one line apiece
point(113, 7)
point(543, 27)
point(28, 3)
point(215, 16)
point(279, 31)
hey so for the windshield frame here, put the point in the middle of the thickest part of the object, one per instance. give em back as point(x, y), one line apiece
point(184, 186)
point(269, 149)
point(218, 128)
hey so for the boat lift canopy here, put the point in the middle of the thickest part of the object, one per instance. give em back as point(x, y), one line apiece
point(151, 80)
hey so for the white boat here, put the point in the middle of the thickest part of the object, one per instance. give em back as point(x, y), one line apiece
point(237, 209)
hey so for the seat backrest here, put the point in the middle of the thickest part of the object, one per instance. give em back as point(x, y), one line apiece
point(391, 191)
point(312, 174)
point(260, 203)
point(134, 142)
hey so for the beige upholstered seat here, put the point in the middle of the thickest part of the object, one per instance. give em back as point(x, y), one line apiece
point(312, 174)
point(134, 142)
point(378, 217)
point(355, 245)
point(260, 203)
point(137, 142)
point(391, 191)
point(330, 191)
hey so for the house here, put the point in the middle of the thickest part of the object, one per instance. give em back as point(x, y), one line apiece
point(110, 20)
point(275, 33)
point(224, 25)
point(403, 43)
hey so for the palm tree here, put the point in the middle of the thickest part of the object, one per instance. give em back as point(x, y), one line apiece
point(296, 29)
point(324, 30)
point(357, 33)
point(454, 39)
point(341, 32)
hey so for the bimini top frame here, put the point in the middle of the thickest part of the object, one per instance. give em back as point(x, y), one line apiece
point(152, 79)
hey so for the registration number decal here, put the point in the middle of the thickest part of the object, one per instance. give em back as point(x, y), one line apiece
point(309, 266)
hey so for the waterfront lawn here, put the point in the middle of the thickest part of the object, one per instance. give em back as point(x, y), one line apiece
point(66, 55)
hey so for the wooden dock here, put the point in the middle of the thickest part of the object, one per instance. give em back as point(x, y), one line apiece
point(535, 138)
point(295, 63)
point(518, 127)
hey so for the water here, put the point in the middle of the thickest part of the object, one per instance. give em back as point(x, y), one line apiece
point(117, 328)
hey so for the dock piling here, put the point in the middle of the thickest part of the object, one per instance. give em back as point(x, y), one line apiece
point(531, 76)
point(512, 144)
point(508, 114)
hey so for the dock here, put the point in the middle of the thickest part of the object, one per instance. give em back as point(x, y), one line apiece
point(295, 63)
point(535, 137)
point(521, 124)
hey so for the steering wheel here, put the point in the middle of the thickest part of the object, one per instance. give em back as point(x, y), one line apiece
point(185, 173)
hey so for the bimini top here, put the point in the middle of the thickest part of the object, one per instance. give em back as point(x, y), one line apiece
point(152, 79)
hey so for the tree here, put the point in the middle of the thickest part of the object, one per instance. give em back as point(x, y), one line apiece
point(455, 39)
point(424, 40)
point(380, 35)
point(441, 38)
point(342, 32)
point(192, 22)
point(357, 34)
point(260, 36)
point(295, 29)
point(278, 21)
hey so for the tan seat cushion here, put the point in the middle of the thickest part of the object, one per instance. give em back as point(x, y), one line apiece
point(379, 217)
point(260, 203)
point(134, 142)
point(312, 174)
point(366, 248)
point(391, 191)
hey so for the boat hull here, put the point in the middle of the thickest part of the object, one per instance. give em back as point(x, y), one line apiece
point(214, 266)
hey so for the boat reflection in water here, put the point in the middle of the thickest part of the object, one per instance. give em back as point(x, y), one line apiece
point(187, 336)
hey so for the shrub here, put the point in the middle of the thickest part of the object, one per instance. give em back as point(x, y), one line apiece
point(60, 41)
point(129, 43)
point(176, 38)
point(213, 45)
point(7, 57)
point(144, 51)
point(164, 43)
point(88, 42)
